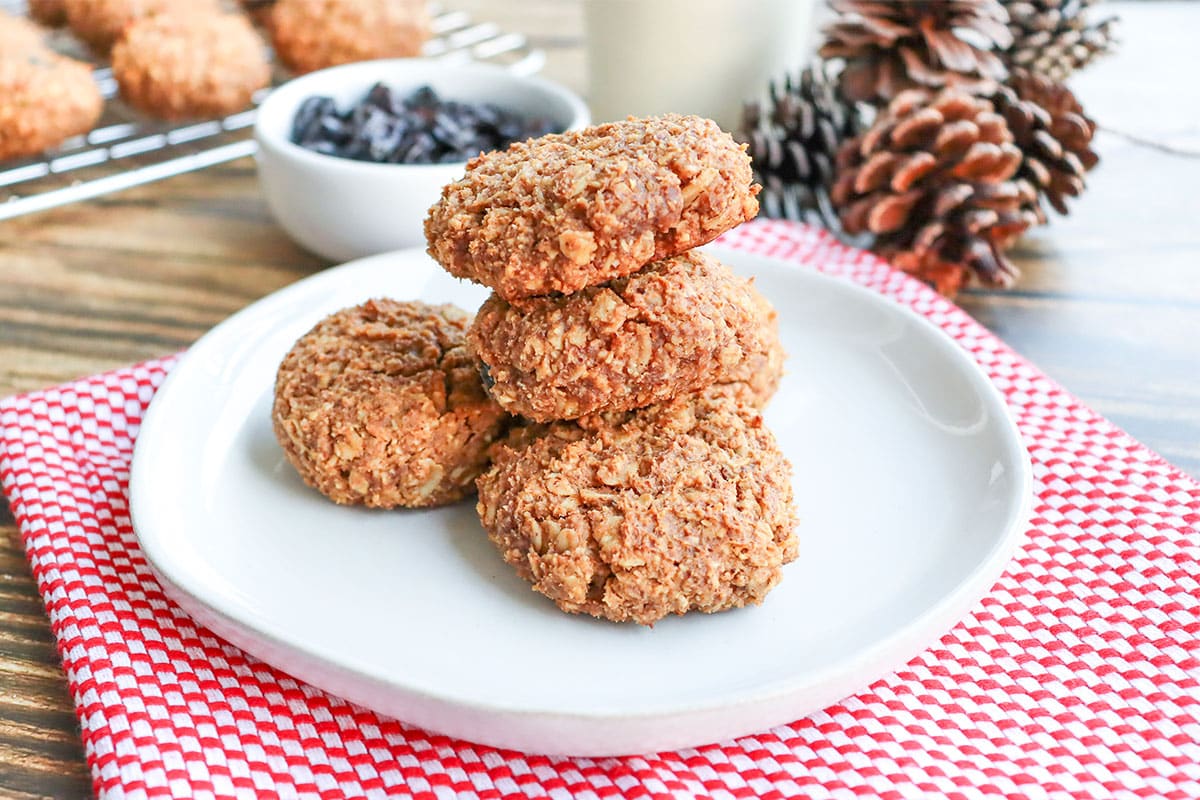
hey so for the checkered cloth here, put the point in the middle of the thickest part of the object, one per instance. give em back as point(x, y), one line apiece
point(1077, 676)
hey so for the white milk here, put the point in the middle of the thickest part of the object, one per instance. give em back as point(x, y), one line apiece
point(691, 56)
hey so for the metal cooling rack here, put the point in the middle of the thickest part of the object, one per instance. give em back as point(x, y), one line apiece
point(128, 149)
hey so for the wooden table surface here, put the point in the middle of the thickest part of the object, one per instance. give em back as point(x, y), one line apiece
point(1109, 304)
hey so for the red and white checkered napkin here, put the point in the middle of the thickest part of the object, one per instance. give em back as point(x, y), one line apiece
point(1078, 676)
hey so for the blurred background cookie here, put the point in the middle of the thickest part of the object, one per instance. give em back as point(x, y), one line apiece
point(197, 64)
point(381, 405)
point(560, 213)
point(100, 23)
point(314, 34)
point(48, 12)
point(19, 36)
point(44, 99)
point(683, 506)
point(681, 323)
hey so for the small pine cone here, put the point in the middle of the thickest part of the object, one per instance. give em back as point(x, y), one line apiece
point(889, 47)
point(1054, 37)
point(793, 143)
point(1049, 126)
point(932, 180)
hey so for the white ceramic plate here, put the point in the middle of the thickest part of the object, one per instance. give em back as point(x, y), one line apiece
point(911, 482)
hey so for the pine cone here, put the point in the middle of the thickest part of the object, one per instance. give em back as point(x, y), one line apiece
point(932, 179)
point(1053, 37)
point(893, 46)
point(794, 142)
point(1053, 133)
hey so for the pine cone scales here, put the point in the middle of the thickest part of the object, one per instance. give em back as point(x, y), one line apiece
point(892, 46)
point(932, 179)
point(1050, 128)
point(793, 144)
point(1053, 37)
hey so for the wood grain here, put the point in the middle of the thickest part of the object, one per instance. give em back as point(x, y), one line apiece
point(1109, 304)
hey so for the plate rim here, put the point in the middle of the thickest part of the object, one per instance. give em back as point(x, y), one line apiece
point(906, 642)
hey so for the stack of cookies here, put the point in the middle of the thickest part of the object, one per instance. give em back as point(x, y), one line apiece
point(640, 480)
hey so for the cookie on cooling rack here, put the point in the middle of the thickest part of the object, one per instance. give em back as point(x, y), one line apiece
point(45, 98)
point(49, 12)
point(175, 66)
point(100, 23)
point(683, 506)
point(571, 210)
point(673, 328)
point(313, 34)
point(381, 405)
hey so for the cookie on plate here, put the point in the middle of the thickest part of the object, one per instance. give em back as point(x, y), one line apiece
point(683, 506)
point(756, 377)
point(381, 405)
point(680, 324)
point(571, 210)
point(202, 64)
point(313, 34)
point(100, 23)
point(44, 99)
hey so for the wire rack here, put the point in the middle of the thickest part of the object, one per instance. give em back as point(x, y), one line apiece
point(128, 149)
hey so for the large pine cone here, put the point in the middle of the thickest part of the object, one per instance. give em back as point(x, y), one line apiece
point(793, 143)
point(893, 46)
point(1054, 37)
point(932, 179)
point(1050, 128)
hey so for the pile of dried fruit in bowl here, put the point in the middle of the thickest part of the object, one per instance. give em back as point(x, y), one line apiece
point(420, 128)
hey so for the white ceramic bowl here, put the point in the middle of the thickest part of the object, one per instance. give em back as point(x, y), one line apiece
point(344, 209)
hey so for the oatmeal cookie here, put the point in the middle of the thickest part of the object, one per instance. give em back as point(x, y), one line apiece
point(199, 64)
point(44, 99)
point(48, 12)
point(683, 506)
point(101, 22)
point(381, 405)
point(314, 34)
point(755, 378)
point(680, 324)
point(571, 210)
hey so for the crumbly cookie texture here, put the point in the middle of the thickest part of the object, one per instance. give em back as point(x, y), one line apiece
point(683, 506)
point(381, 405)
point(101, 22)
point(44, 99)
point(680, 324)
point(175, 66)
point(567, 211)
point(314, 34)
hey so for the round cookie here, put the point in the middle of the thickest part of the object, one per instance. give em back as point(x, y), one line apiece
point(678, 325)
point(48, 12)
point(175, 66)
point(381, 405)
point(46, 98)
point(571, 210)
point(101, 22)
point(683, 506)
point(313, 34)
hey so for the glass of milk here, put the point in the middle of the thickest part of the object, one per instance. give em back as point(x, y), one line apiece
point(703, 57)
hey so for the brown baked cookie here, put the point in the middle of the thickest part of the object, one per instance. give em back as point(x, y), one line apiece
point(100, 23)
point(381, 405)
point(756, 377)
point(676, 326)
point(313, 34)
point(570, 210)
point(175, 66)
point(44, 99)
point(683, 506)
point(48, 12)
